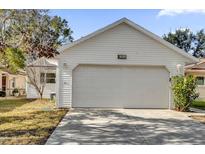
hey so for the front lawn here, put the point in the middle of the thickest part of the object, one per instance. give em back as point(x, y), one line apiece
point(25, 121)
point(200, 104)
point(199, 118)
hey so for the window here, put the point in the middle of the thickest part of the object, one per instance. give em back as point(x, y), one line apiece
point(13, 83)
point(47, 77)
point(200, 80)
point(42, 77)
point(50, 77)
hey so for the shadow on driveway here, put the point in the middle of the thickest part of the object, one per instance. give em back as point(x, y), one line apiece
point(89, 126)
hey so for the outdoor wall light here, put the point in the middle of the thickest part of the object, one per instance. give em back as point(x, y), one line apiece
point(179, 69)
point(65, 65)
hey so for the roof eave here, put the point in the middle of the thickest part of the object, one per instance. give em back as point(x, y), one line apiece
point(137, 27)
point(162, 41)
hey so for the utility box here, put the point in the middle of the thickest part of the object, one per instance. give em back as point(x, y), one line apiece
point(52, 96)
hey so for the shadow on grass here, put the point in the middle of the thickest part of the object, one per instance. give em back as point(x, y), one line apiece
point(7, 105)
point(33, 128)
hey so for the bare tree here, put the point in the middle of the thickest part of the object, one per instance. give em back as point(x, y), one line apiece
point(40, 72)
point(37, 78)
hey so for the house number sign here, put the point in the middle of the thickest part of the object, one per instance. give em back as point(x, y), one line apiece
point(120, 56)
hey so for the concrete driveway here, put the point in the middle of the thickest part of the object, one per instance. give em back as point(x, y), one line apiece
point(127, 126)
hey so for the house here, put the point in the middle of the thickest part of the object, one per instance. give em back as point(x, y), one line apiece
point(121, 65)
point(44, 74)
point(10, 81)
point(198, 70)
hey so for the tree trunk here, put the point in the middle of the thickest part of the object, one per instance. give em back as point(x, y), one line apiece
point(41, 96)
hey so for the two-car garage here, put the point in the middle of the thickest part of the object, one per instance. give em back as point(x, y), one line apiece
point(119, 66)
point(120, 86)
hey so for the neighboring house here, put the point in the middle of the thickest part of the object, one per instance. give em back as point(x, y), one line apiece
point(198, 70)
point(45, 72)
point(10, 81)
point(119, 66)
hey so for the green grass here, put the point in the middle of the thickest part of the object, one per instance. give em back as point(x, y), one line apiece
point(200, 104)
point(25, 121)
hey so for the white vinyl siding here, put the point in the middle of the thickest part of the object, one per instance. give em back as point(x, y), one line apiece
point(49, 87)
point(32, 93)
point(103, 50)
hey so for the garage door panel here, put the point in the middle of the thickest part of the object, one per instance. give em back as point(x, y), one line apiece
point(120, 87)
point(146, 87)
point(91, 84)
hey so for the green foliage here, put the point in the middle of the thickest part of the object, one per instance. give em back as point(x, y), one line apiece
point(33, 32)
point(200, 104)
point(199, 44)
point(184, 90)
point(180, 38)
point(15, 91)
point(14, 59)
point(188, 41)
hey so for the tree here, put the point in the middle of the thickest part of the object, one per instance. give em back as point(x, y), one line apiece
point(199, 44)
point(188, 41)
point(184, 90)
point(14, 58)
point(33, 74)
point(27, 35)
point(181, 38)
point(33, 33)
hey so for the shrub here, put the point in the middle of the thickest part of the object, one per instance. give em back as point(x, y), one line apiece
point(184, 90)
point(15, 91)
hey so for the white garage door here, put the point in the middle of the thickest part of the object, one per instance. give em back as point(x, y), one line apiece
point(120, 86)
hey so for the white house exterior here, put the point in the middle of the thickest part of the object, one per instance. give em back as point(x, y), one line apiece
point(47, 68)
point(119, 66)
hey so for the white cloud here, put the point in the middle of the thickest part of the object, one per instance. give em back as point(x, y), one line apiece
point(174, 12)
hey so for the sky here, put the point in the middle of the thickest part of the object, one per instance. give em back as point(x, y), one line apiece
point(84, 22)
